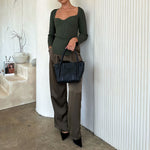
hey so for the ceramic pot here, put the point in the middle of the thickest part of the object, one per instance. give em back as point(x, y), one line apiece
point(20, 57)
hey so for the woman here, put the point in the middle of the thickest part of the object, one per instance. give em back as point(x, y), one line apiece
point(64, 25)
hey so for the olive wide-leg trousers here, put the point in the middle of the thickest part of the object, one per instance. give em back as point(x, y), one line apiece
point(66, 114)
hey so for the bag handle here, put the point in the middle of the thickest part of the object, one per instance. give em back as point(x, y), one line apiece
point(64, 54)
point(63, 57)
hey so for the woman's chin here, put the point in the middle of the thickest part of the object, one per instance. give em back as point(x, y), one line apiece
point(62, 1)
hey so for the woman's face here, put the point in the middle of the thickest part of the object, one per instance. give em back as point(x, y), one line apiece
point(63, 1)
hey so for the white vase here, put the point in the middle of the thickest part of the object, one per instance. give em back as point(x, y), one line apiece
point(20, 57)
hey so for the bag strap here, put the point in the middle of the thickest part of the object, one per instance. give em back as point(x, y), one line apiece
point(64, 54)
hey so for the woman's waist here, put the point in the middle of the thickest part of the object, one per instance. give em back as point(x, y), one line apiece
point(66, 36)
point(60, 43)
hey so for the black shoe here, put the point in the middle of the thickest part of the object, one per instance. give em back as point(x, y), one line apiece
point(78, 142)
point(64, 135)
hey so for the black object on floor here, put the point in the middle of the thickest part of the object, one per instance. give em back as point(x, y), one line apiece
point(64, 135)
point(78, 142)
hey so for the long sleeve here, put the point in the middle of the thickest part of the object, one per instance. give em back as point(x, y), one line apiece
point(52, 29)
point(82, 28)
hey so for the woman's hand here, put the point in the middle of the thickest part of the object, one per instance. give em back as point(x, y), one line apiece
point(49, 48)
point(72, 43)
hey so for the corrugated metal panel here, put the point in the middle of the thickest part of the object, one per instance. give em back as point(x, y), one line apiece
point(122, 73)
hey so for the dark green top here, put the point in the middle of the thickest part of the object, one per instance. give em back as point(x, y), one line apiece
point(61, 31)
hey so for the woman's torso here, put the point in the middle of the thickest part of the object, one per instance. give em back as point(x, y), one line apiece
point(65, 30)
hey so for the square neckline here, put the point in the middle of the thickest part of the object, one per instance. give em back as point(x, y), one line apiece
point(67, 17)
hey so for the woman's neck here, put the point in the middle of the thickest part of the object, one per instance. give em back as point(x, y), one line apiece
point(66, 5)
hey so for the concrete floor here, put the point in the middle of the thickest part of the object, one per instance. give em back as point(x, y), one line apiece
point(21, 128)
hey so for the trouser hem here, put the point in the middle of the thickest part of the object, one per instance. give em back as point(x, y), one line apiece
point(60, 128)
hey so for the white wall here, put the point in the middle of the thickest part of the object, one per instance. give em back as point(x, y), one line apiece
point(43, 100)
point(122, 73)
point(17, 15)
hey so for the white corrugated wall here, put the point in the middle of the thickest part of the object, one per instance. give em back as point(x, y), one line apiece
point(122, 73)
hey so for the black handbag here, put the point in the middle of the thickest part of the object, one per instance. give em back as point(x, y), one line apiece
point(67, 72)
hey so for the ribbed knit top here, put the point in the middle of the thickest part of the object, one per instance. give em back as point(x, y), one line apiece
point(62, 30)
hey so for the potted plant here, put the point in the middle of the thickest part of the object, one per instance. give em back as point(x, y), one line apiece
point(20, 57)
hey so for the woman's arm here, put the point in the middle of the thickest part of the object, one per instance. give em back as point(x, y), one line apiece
point(82, 32)
point(82, 28)
point(52, 29)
